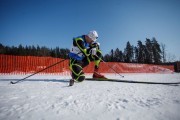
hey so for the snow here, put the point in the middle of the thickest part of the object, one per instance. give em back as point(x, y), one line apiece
point(48, 97)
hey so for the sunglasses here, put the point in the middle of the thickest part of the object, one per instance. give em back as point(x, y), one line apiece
point(95, 38)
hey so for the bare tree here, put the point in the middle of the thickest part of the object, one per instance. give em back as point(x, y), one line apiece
point(171, 57)
point(163, 49)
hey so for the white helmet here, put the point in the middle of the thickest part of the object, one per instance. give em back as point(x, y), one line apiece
point(93, 35)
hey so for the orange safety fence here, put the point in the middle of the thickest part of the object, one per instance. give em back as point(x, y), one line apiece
point(30, 64)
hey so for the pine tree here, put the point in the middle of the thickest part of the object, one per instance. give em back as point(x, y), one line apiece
point(107, 58)
point(141, 52)
point(128, 52)
point(26, 50)
point(2, 49)
point(20, 50)
point(64, 53)
point(118, 55)
point(156, 51)
point(52, 53)
point(148, 51)
point(112, 55)
point(136, 54)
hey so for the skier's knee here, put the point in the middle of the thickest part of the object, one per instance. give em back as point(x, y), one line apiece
point(81, 78)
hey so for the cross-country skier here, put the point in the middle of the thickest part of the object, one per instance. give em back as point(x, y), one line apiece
point(84, 50)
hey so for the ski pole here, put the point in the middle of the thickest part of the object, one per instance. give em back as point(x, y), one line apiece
point(37, 72)
point(110, 67)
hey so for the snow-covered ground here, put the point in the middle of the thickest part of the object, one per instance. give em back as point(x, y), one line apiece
point(48, 97)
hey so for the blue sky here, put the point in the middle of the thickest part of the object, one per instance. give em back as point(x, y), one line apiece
point(54, 23)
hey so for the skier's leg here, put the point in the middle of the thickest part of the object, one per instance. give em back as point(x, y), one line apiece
point(77, 71)
point(97, 61)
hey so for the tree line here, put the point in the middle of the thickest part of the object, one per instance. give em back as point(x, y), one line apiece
point(34, 51)
point(150, 52)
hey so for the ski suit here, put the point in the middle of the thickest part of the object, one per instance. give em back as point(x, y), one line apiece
point(80, 57)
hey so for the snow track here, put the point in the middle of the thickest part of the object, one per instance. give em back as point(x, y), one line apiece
point(45, 98)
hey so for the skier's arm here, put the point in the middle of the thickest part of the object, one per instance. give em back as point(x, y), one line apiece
point(95, 45)
point(80, 44)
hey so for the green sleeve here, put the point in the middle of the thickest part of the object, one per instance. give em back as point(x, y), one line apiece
point(80, 44)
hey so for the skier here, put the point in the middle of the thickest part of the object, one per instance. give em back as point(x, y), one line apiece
point(84, 50)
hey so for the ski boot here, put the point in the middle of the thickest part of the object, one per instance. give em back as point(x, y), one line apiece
point(97, 75)
point(71, 82)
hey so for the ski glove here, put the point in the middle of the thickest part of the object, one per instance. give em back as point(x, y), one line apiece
point(94, 44)
point(93, 51)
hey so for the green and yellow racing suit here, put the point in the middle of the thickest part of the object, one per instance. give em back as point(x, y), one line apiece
point(80, 57)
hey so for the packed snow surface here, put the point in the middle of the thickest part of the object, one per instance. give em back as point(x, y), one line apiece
point(48, 97)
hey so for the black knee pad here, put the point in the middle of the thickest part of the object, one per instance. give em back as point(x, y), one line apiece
point(81, 78)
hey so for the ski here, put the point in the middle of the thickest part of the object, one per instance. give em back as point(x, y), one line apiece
point(131, 81)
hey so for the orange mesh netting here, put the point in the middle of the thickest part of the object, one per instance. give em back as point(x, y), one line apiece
point(30, 64)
